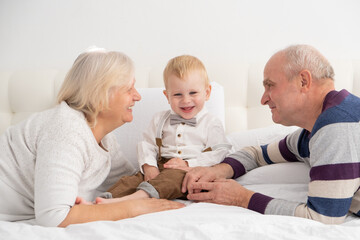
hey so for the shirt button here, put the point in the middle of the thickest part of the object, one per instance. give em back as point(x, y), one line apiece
point(179, 152)
point(179, 135)
point(182, 123)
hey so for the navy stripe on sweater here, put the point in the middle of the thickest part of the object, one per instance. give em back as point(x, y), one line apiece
point(330, 206)
point(338, 107)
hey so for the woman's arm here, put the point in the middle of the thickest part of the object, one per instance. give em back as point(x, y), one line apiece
point(115, 211)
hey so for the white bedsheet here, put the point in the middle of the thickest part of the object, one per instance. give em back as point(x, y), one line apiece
point(208, 221)
point(196, 221)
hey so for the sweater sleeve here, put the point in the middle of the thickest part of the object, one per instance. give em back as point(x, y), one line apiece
point(58, 170)
point(252, 157)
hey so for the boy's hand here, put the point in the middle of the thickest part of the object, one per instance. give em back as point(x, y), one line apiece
point(150, 172)
point(177, 163)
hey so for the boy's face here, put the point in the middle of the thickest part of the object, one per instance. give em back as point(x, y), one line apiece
point(187, 96)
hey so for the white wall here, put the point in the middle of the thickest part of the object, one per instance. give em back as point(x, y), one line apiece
point(51, 33)
point(41, 34)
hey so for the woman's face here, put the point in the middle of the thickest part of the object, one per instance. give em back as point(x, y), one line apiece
point(121, 102)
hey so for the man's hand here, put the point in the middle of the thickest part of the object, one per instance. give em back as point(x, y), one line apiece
point(221, 191)
point(205, 174)
point(197, 174)
point(150, 172)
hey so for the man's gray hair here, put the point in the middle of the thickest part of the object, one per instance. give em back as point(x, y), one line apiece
point(301, 57)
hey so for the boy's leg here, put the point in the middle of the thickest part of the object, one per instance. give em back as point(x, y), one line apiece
point(126, 185)
point(136, 195)
point(168, 183)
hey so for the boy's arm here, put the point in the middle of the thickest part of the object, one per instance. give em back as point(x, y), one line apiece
point(147, 150)
point(150, 172)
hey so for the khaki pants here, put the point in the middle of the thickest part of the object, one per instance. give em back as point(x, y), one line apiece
point(167, 183)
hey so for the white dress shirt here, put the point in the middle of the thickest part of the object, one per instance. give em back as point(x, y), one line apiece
point(185, 142)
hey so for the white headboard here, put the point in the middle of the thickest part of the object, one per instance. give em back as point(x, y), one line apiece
point(25, 92)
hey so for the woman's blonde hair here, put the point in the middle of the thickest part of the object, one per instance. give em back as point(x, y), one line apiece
point(87, 85)
point(180, 66)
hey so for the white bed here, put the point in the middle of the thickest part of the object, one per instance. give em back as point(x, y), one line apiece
point(196, 220)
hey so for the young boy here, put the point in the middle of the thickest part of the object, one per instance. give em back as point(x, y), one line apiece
point(186, 135)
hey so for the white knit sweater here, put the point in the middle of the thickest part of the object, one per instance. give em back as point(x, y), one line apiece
point(48, 160)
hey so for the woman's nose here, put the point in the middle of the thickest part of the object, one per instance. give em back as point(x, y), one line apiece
point(137, 96)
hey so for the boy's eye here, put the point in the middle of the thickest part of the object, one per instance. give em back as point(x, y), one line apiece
point(192, 93)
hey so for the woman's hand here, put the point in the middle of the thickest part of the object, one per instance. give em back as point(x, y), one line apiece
point(150, 172)
point(150, 205)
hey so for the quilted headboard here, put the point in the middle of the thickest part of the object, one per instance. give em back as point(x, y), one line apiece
point(25, 92)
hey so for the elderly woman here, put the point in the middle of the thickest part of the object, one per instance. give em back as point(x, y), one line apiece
point(66, 152)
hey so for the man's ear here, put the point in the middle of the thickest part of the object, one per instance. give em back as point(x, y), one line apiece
point(208, 92)
point(306, 79)
point(166, 95)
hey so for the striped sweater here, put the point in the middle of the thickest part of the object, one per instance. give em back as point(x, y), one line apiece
point(331, 149)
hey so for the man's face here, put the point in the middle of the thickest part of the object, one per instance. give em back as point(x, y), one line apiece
point(281, 94)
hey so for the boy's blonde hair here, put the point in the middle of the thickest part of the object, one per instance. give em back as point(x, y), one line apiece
point(88, 84)
point(180, 66)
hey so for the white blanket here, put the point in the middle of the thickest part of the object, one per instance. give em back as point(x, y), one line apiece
point(201, 221)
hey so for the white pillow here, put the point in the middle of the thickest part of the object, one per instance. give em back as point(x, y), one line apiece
point(290, 173)
point(271, 174)
point(259, 136)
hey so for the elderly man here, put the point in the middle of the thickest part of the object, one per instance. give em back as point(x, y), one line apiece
point(299, 89)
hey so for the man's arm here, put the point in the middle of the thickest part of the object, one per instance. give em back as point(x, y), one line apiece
point(252, 157)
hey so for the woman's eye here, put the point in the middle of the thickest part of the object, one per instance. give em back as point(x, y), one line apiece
point(177, 94)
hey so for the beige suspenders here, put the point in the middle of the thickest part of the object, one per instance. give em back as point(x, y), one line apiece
point(159, 129)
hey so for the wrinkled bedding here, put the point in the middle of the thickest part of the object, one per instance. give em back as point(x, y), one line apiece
point(209, 221)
